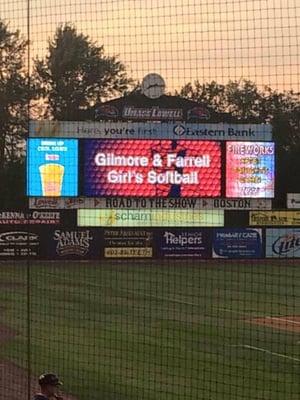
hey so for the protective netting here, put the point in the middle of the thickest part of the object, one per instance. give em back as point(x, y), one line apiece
point(150, 227)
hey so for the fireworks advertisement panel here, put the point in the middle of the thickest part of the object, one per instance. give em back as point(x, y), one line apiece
point(250, 169)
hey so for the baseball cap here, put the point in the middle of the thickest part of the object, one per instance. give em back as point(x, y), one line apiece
point(49, 379)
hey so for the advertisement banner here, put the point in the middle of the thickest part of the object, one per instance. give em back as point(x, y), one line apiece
point(71, 243)
point(124, 243)
point(150, 218)
point(283, 243)
point(52, 167)
point(279, 218)
point(62, 203)
point(146, 130)
point(250, 169)
point(293, 200)
point(237, 243)
point(136, 203)
point(19, 243)
point(184, 243)
point(152, 168)
point(31, 218)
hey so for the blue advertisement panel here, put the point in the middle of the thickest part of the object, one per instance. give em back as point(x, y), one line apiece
point(52, 167)
point(72, 243)
point(283, 243)
point(185, 243)
point(237, 243)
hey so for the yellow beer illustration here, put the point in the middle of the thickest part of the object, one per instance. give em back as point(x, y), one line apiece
point(52, 178)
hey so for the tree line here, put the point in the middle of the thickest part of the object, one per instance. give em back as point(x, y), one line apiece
point(75, 74)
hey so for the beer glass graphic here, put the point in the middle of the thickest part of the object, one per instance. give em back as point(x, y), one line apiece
point(52, 178)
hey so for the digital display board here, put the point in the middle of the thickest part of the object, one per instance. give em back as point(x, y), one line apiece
point(152, 168)
point(150, 218)
point(250, 169)
point(52, 167)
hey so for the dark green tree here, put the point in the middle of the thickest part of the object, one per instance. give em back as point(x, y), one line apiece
point(249, 104)
point(14, 95)
point(13, 180)
point(75, 74)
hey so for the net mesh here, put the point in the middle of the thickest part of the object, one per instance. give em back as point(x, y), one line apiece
point(143, 310)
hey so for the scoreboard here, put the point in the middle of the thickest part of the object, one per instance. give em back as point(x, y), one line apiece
point(150, 160)
point(149, 168)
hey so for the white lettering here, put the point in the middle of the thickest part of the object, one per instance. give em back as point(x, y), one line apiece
point(173, 177)
point(111, 160)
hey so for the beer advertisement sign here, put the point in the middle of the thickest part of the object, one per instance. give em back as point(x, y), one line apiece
point(52, 167)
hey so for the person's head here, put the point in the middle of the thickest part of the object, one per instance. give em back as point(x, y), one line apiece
point(49, 384)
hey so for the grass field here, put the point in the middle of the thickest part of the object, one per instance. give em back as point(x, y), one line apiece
point(156, 330)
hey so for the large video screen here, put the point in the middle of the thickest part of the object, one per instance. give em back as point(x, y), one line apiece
point(52, 167)
point(152, 168)
point(250, 169)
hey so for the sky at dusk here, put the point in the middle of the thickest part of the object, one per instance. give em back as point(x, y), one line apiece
point(183, 40)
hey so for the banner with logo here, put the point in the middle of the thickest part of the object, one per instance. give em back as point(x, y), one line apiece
point(148, 130)
point(150, 218)
point(30, 218)
point(128, 243)
point(139, 202)
point(279, 218)
point(179, 243)
point(72, 243)
point(293, 200)
point(20, 243)
point(237, 243)
point(283, 243)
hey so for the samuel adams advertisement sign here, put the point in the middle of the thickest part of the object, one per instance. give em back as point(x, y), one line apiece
point(73, 244)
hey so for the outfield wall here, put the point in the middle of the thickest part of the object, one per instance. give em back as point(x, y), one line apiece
point(55, 235)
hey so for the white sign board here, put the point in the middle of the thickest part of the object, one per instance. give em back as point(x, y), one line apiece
point(293, 200)
point(149, 203)
point(140, 130)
